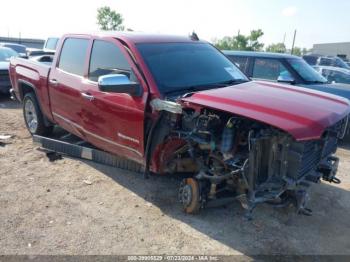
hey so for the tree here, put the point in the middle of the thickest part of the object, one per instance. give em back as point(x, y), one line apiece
point(108, 19)
point(253, 40)
point(277, 48)
point(300, 51)
point(241, 42)
point(297, 51)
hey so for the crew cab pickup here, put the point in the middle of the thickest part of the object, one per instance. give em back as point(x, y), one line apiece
point(177, 105)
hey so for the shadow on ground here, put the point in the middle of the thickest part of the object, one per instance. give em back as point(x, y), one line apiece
point(272, 231)
point(7, 103)
point(345, 143)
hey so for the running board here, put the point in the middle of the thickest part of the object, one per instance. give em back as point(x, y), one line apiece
point(77, 151)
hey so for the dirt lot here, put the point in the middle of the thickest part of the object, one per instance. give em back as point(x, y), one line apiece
point(47, 208)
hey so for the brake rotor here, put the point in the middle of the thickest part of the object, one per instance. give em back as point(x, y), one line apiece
point(189, 195)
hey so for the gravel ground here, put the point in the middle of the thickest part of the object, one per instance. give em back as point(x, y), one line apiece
point(48, 208)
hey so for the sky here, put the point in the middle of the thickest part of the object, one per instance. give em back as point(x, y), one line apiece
point(317, 21)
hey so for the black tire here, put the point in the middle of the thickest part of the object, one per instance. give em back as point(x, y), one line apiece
point(33, 117)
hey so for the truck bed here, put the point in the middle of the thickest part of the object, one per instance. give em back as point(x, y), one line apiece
point(32, 74)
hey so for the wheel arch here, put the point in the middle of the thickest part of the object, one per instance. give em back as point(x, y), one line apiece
point(25, 87)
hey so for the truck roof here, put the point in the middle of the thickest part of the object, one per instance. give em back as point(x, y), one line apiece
point(259, 54)
point(137, 37)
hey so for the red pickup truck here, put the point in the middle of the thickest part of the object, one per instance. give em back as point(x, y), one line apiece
point(177, 105)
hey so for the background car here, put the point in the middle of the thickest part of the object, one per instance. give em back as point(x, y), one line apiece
point(284, 68)
point(46, 59)
point(33, 52)
point(51, 44)
point(5, 55)
point(319, 60)
point(20, 49)
point(48, 49)
point(334, 74)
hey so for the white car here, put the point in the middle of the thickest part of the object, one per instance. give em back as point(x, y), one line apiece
point(334, 74)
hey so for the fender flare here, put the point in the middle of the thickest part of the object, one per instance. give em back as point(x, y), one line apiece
point(21, 82)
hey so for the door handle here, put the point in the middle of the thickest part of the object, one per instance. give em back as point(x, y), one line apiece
point(53, 82)
point(87, 96)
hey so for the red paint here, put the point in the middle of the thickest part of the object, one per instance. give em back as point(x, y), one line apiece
point(115, 122)
point(304, 114)
point(164, 152)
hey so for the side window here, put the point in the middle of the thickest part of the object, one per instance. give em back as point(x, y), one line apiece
point(240, 61)
point(73, 54)
point(325, 61)
point(106, 58)
point(323, 72)
point(269, 69)
point(340, 77)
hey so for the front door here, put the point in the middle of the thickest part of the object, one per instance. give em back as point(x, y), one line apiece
point(113, 121)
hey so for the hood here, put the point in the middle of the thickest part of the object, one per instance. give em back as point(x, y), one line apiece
point(303, 113)
point(335, 89)
point(4, 65)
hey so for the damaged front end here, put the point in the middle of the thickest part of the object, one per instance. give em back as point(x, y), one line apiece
point(227, 157)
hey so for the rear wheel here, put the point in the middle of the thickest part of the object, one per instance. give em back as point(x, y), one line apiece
point(33, 116)
point(189, 195)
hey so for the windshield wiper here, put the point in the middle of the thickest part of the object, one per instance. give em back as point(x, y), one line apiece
point(202, 87)
point(232, 82)
point(186, 89)
point(317, 82)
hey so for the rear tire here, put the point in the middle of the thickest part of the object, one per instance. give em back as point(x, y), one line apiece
point(33, 116)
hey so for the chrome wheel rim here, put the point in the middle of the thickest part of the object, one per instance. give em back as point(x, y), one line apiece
point(31, 116)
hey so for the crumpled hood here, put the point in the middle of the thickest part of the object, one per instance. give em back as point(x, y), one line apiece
point(303, 113)
point(335, 89)
point(4, 65)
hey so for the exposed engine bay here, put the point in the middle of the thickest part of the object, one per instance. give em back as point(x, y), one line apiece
point(228, 157)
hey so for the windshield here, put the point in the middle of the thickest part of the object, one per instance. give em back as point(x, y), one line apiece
point(340, 63)
point(51, 43)
point(181, 66)
point(6, 54)
point(17, 48)
point(306, 71)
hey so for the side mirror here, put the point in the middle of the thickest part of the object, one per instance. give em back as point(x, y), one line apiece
point(119, 83)
point(286, 79)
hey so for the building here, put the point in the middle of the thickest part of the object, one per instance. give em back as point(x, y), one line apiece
point(29, 43)
point(341, 50)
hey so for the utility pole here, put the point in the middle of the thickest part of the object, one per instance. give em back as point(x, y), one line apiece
point(295, 33)
point(284, 38)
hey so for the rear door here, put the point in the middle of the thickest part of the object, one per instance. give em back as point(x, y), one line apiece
point(242, 62)
point(65, 84)
point(114, 121)
point(269, 69)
